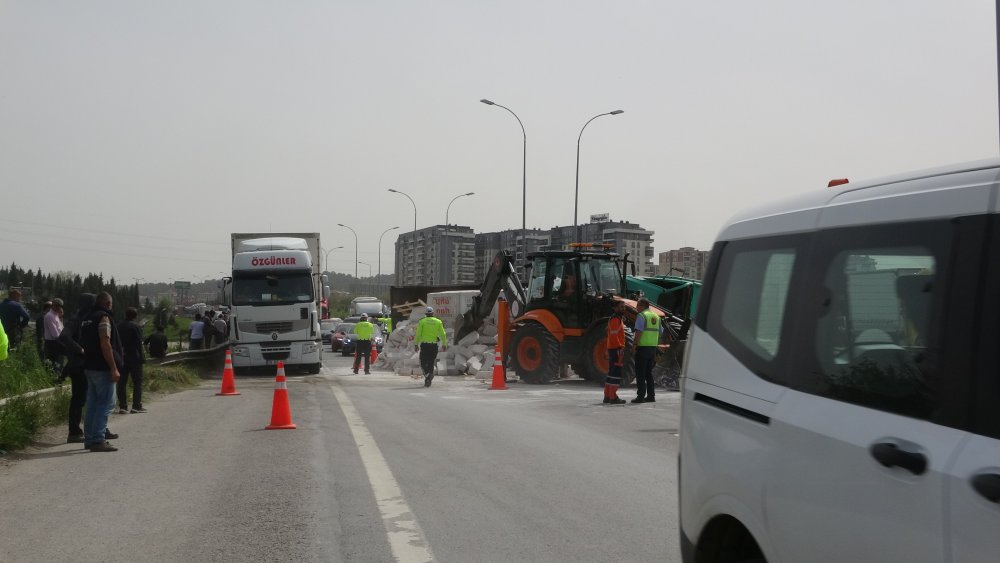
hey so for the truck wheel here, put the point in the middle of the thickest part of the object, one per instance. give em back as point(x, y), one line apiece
point(595, 361)
point(314, 368)
point(535, 353)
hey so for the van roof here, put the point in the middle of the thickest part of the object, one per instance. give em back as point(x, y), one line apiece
point(802, 212)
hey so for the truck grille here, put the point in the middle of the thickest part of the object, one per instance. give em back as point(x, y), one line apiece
point(279, 327)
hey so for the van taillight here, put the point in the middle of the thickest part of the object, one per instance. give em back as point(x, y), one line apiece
point(837, 182)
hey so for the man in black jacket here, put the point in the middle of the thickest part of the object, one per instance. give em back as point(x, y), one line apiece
point(102, 362)
point(70, 339)
point(131, 335)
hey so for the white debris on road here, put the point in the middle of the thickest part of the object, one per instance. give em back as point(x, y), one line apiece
point(472, 355)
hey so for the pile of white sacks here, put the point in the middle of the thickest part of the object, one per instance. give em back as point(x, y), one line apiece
point(473, 355)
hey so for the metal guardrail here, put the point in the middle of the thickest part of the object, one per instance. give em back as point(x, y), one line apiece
point(171, 358)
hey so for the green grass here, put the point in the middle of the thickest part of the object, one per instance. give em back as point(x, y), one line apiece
point(21, 418)
point(175, 334)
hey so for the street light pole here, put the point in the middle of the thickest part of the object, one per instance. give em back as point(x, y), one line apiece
point(448, 209)
point(368, 288)
point(524, 183)
point(380, 248)
point(576, 194)
point(414, 206)
point(326, 259)
point(355, 248)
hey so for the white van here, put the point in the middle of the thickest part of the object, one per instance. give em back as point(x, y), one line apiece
point(841, 394)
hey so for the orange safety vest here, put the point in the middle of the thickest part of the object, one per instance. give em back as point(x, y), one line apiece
point(616, 333)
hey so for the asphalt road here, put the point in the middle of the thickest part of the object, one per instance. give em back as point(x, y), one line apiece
point(379, 469)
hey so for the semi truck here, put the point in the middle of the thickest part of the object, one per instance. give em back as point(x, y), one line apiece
point(274, 294)
point(372, 306)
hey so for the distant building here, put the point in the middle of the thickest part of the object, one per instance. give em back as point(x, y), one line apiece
point(455, 255)
point(438, 255)
point(489, 244)
point(626, 237)
point(686, 262)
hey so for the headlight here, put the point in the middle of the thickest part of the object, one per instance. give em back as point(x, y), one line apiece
point(241, 351)
point(347, 341)
point(309, 348)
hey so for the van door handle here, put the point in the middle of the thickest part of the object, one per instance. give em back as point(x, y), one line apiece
point(988, 485)
point(890, 455)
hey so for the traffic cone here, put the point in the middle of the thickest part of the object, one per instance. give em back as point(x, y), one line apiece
point(499, 376)
point(281, 411)
point(374, 353)
point(228, 381)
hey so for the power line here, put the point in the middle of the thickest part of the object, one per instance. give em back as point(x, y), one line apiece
point(89, 230)
point(112, 252)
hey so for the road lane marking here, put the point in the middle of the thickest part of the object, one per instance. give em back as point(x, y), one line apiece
point(406, 538)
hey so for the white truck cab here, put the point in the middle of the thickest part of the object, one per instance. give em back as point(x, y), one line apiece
point(842, 378)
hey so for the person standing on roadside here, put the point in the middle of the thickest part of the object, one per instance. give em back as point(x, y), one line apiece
point(40, 329)
point(14, 317)
point(616, 355)
point(131, 335)
point(157, 343)
point(196, 333)
point(3, 343)
point(429, 331)
point(221, 329)
point(647, 330)
point(70, 338)
point(53, 327)
point(363, 347)
point(102, 360)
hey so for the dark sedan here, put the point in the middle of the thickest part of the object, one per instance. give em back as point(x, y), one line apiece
point(349, 338)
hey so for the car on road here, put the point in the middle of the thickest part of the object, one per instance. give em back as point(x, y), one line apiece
point(349, 338)
point(839, 392)
point(326, 328)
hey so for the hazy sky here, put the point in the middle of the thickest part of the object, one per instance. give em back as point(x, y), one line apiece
point(135, 136)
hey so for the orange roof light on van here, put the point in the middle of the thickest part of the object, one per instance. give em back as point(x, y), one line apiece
point(837, 182)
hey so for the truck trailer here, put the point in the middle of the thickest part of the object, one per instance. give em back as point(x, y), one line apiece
point(274, 293)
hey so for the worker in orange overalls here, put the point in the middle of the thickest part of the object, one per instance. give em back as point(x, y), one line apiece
point(616, 355)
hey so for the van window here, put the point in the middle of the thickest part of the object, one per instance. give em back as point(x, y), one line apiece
point(873, 334)
point(749, 301)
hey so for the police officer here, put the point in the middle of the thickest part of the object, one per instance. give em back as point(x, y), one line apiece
point(429, 331)
point(647, 330)
point(363, 347)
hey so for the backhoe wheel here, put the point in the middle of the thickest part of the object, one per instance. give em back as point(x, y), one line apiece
point(595, 361)
point(535, 353)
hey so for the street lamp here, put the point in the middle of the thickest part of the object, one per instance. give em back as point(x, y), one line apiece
point(369, 268)
point(576, 194)
point(355, 248)
point(380, 248)
point(414, 207)
point(449, 207)
point(326, 259)
point(524, 182)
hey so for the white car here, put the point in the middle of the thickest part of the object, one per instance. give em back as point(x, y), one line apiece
point(842, 378)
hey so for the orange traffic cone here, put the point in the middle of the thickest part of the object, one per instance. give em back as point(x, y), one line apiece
point(228, 381)
point(281, 411)
point(374, 353)
point(499, 376)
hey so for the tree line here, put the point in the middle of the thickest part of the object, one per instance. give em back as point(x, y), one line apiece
point(39, 287)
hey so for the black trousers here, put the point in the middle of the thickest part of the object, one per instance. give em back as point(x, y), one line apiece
point(362, 349)
point(645, 359)
point(77, 399)
point(428, 355)
point(132, 369)
point(55, 353)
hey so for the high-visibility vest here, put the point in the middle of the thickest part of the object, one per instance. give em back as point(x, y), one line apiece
point(616, 333)
point(651, 332)
point(364, 330)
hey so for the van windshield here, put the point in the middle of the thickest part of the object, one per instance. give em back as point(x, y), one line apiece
point(272, 288)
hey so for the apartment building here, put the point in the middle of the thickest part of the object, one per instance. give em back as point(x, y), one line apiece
point(685, 262)
point(438, 255)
